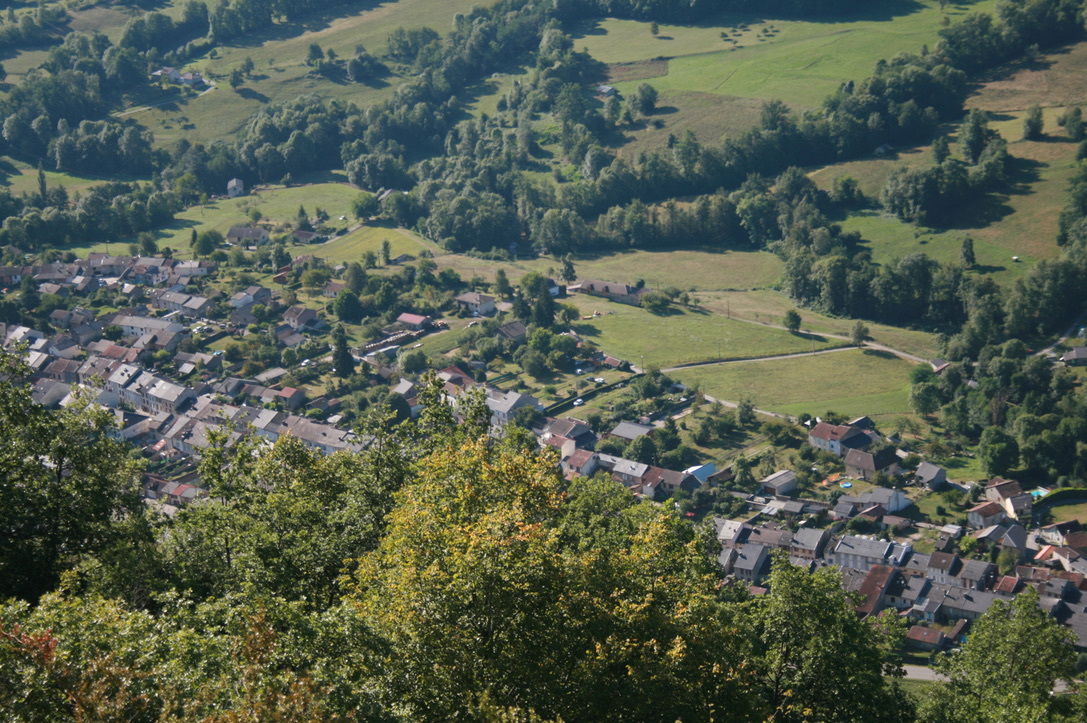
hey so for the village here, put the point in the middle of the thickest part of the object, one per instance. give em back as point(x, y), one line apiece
point(154, 365)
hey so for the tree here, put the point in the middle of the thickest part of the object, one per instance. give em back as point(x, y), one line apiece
point(940, 150)
point(642, 449)
point(365, 205)
point(413, 362)
point(347, 307)
point(859, 334)
point(314, 54)
point(792, 320)
point(343, 364)
point(207, 241)
point(1033, 124)
point(1007, 668)
point(817, 659)
point(925, 398)
point(65, 485)
point(502, 284)
point(745, 413)
point(236, 78)
point(493, 580)
point(997, 451)
point(386, 252)
point(569, 274)
point(654, 29)
point(646, 99)
point(655, 302)
point(969, 260)
point(355, 277)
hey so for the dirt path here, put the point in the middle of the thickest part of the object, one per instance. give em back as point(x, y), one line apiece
point(715, 362)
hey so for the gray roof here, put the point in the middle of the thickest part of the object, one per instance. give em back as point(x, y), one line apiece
point(863, 546)
point(926, 471)
point(630, 430)
point(750, 557)
point(808, 538)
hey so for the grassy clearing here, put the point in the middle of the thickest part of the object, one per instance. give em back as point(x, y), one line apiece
point(633, 334)
point(281, 74)
point(813, 384)
point(19, 177)
point(1020, 221)
point(766, 306)
point(800, 62)
point(1063, 513)
point(354, 245)
point(686, 269)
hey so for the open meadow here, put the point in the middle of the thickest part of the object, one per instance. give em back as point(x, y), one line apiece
point(712, 77)
point(281, 73)
point(682, 336)
point(852, 383)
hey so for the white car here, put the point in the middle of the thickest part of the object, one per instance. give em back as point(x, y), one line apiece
point(578, 402)
point(599, 380)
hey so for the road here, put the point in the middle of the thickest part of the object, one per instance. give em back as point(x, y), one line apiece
point(1071, 331)
point(142, 108)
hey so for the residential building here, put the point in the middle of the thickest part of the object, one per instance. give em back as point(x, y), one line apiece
point(837, 438)
point(930, 475)
point(866, 465)
point(621, 293)
point(985, 514)
point(476, 303)
point(861, 552)
point(235, 187)
point(246, 235)
point(781, 483)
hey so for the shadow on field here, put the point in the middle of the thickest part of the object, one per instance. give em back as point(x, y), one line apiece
point(878, 353)
point(250, 94)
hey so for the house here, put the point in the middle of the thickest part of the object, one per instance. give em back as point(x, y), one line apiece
point(781, 483)
point(1076, 356)
point(414, 322)
point(620, 293)
point(860, 553)
point(606, 91)
point(838, 438)
point(930, 475)
point(658, 478)
point(300, 317)
point(580, 432)
point(866, 465)
point(921, 637)
point(808, 543)
point(976, 574)
point(1057, 533)
point(250, 296)
point(629, 431)
point(751, 562)
point(891, 500)
point(580, 463)
point(874, 590)
point(504, 405)
point(1017, 504)
point(476, 303)
point(1006, 535)
point(246, 235)
point(235, 187)
point(139, 326)
point(943, 567)
point(333, 288)
point(624, 471)
point(172, 75)
point(985, 514)
point(513, 330)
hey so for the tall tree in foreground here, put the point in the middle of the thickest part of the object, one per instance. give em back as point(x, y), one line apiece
point(1007, 669)
point(1033, 124)
point(65, 484)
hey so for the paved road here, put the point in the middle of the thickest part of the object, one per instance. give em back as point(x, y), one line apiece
point(1070, 331)
point(921, 672)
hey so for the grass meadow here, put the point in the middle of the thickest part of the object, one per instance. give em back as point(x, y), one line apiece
point(683, 336)
point(852, 383)
point(712, 77)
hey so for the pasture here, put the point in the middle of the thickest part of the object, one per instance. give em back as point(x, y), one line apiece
point(713, 76)
point(682, 336)
point(852, 383)
point(766, 306)
point(281, 73)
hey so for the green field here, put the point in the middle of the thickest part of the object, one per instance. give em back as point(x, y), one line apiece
point(852, 383)
point(706, 82)
point(647, 340)
point(1063, 513)
point(281, 74)
point(769, 307)
point(19, 177)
